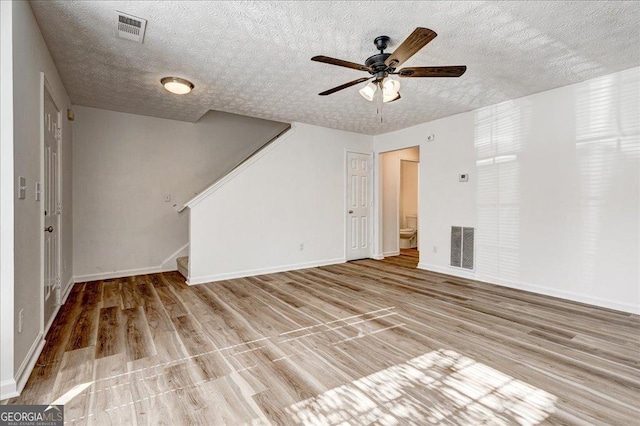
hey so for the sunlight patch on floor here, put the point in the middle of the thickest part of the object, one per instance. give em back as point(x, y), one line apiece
point(437, 387)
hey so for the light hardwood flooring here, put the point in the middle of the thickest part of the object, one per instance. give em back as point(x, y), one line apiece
point(367, 342)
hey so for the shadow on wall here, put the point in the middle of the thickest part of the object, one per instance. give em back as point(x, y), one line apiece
point(499, 131)
point(607, 135)
point(577, 191)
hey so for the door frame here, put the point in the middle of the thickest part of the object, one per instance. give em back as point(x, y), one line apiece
point(379, 195)
point(45, 87)
point(399, 200)
point(370, 190)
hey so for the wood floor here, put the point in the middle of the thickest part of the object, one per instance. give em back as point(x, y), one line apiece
point(367, 342)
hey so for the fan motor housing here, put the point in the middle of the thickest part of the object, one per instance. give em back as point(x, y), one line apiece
point(376, 62)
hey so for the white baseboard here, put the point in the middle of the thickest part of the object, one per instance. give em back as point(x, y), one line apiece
point(63, 298)
point(67, 290)
point(118, 274)
point(8, 389)
point(449, 271)
point(377, 256)
point(391, 253)
point(169, 264)
point(547, 291)
point(262, 271)
point(23, 373)
point(11, 388)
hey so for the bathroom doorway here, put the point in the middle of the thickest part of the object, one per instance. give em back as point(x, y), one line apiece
point(400, 171)
point(408, 204)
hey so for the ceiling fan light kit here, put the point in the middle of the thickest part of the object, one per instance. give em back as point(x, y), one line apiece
point(382, 65)
point(390, 90)
point(368, 91)
point(387, 98)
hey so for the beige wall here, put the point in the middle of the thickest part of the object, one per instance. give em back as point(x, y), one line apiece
point(124, 165)
point(390, 162)
point(408, 191)
point(31, 57)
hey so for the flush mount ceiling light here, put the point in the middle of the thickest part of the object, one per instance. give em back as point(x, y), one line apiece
point(177, 85)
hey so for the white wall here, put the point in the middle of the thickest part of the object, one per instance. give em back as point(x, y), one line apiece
point(30, 58)
point(390, 196)
point(7, 381)
point(553, 191)
point(124, 164)
point(293, 195)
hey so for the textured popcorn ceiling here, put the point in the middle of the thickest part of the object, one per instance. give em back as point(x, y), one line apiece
point(254, 58)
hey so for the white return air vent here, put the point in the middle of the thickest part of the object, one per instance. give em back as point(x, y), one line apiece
point(462, 247)
point(130, 27)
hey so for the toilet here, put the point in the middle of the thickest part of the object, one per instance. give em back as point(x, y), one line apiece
point(409, 235)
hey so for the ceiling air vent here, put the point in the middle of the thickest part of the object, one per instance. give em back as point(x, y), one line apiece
point(130, 27)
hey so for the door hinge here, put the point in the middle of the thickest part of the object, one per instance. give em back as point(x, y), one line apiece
point(59, 208)
point(58, 133)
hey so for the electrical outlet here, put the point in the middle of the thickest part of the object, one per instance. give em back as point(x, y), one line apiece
point(301, 246)
point(167, 198)
point(20, 320)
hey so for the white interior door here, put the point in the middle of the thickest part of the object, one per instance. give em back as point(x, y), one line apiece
point(51, 190)
point(359, 205)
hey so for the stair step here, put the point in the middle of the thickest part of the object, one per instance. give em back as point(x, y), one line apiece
point(183, 266)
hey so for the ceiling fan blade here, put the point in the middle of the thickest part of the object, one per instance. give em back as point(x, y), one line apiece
point(344, 86)
point(341, 63)
point(452, 71)
point(416, 41)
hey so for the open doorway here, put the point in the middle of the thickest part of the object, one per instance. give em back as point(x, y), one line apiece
point(399, 215)
point(408, 203)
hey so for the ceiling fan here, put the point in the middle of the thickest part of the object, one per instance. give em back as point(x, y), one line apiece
point(382, 65)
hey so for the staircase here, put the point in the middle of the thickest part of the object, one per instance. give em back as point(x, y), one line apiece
point(183, 266)
point(183, 262)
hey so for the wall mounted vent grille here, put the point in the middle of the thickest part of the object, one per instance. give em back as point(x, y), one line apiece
point(462, 247)
point(130, 27)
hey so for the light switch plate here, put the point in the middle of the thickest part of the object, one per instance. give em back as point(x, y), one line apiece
point(22, 188)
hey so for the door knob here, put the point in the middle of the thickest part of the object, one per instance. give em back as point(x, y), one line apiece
point(350, 211)
point(48, 229)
